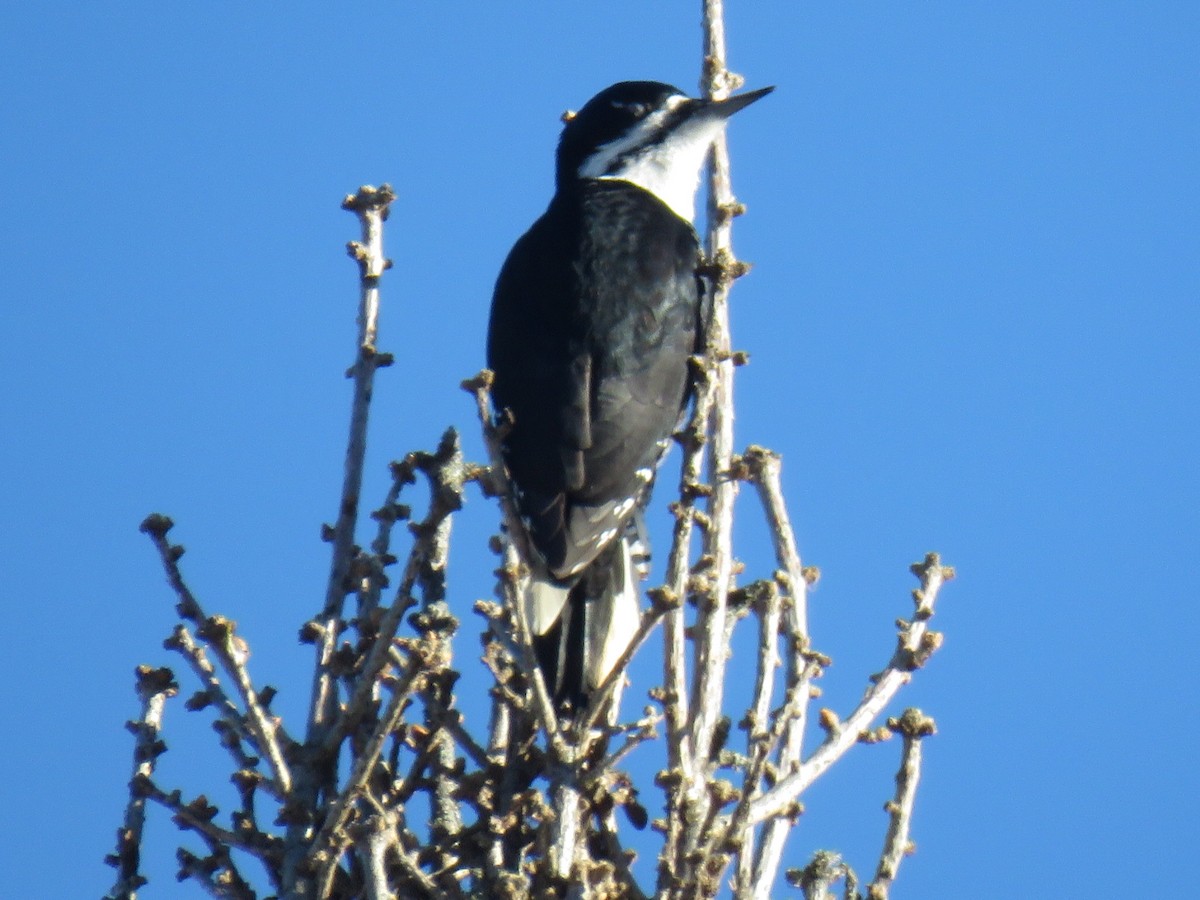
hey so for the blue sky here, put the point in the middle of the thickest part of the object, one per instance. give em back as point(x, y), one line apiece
point(972, 321)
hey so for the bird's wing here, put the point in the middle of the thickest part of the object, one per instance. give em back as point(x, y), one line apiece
point(592, 365)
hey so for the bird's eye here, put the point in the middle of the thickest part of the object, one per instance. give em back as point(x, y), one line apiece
point(637, 110)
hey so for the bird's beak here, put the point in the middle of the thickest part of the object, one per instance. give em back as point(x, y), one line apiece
point(702, 120)
point(723, 109)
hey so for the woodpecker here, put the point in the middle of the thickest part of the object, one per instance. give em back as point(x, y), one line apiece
point(595, 313)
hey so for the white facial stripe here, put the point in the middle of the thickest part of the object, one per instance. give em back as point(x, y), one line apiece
point(669, 169)
point(597, 165)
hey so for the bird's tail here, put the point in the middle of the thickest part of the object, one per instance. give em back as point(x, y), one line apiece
point(581, 628)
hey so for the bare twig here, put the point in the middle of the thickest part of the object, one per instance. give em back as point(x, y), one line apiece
point(154, 687)
point(233, 653)
point(763, 468)
point(371, 206)
point(216, 873)
point(636, 733)
point(386, 515)
point(230, 722)
point(723, 269)
point(671, 596)
point(328, 844)
point(912, 726)
point(768, 610)
point(255, 724)
point(816, 879)
point(445, 469)
point(198, 816)
point(916, 643)
point(374, 848)
point(690, 799)
point(436, 625)
point(156, 527)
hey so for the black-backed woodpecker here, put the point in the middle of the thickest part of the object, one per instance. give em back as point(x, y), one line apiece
point(595, 313)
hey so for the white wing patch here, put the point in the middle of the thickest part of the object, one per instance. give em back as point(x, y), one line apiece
point(622, 509)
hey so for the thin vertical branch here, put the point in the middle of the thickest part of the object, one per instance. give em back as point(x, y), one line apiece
point(437, 625)
point(764, 469)
point(695, 805)
point(328, 845)
point(373, 850)
point(154, 687)
point(671, 597)
point(426, 660)
point(566, 829)
point(712, 650)
point(693, 722)
point(768, 611)
point(912, 726)
point(371, 206)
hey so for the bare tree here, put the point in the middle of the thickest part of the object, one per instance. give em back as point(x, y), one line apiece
point(527, 804)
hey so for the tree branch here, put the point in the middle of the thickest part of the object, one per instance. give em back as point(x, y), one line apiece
point(912, 726)
point(916, 643)
point(154, 687)
point(534, 812)
point(371, 206)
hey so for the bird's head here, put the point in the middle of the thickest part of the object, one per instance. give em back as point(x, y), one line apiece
point(649, 134)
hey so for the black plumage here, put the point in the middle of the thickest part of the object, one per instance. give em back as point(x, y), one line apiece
point(594, 315)
point(592, 364)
